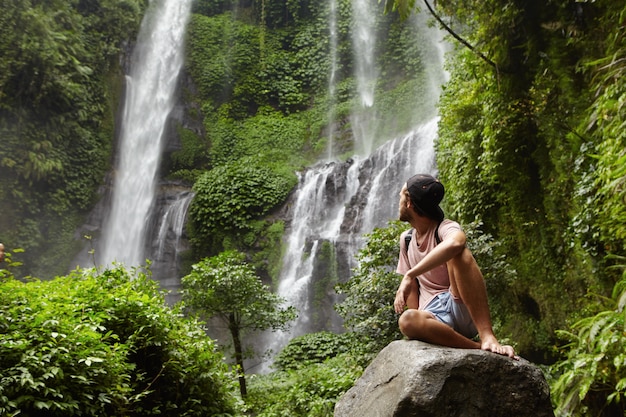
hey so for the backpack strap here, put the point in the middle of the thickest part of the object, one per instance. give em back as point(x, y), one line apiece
point(409, 235)
point(437, 238)
point(407, 239)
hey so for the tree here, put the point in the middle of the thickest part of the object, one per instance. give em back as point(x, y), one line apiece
point(226, 287)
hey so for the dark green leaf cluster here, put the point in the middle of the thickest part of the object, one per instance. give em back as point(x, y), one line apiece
point(308, 349)
point(229, 197)
point(104, 344)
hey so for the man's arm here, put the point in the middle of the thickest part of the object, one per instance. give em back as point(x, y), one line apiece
point(442, 253)
point(448, 248)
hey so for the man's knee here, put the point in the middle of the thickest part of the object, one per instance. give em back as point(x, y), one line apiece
point(411, 323)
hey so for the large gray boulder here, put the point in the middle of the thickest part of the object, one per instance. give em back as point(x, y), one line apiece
point(412, 378)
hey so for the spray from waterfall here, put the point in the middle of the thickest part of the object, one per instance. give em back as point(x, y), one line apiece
point(150, 93)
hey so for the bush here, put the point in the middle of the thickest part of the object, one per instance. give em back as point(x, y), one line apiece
point(102, 344)
point(368, 306)
point(312, 348)
point(592, 378)
point(310, 391)
point(229, 197)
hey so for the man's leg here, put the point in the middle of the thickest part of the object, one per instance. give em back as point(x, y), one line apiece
point(468, 284)
point(421, 325)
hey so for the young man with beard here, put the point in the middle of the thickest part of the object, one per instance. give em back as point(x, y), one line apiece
point(442, 285)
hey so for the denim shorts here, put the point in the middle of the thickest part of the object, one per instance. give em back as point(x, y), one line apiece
point(453, 313)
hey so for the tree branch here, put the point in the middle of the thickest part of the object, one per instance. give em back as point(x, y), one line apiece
point(459, 38)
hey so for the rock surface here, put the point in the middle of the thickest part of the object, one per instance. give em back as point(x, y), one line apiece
point(412, 378)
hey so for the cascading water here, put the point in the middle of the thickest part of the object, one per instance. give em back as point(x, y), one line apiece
point(364, 42)
point(333, 75)
point(173, 223)
point(151, 86)
point(338, 202)
point(168, 237)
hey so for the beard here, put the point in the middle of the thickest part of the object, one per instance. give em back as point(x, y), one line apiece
point(404, 214)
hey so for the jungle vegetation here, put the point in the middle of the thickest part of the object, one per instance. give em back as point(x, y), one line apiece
point(531, 148)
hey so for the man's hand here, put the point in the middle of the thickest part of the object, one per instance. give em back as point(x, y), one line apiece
point(401, 295)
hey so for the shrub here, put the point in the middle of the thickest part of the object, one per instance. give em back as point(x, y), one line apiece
point(592, 378)
point(103, 344)
point(312, 348)
point(310, 391)
point(229, 197)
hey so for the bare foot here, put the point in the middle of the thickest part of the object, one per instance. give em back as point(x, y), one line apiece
point(492, 345)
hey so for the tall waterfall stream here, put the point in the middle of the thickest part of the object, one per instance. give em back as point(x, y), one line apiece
point(151, 87)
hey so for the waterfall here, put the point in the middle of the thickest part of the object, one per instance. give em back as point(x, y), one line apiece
point(168, 238)
point(332, 24)
point(336, 203)
point(364, 41)
point(321, 200)
point(173, 223)
point(150, 95)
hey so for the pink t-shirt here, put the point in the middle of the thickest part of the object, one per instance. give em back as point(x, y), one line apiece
point(437, 279)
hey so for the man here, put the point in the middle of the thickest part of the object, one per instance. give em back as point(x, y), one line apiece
point(442, 286)
point(1, 252)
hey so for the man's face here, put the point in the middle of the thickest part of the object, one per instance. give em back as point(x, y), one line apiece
point(403, 208)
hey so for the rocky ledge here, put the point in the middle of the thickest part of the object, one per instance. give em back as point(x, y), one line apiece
point(412, 378)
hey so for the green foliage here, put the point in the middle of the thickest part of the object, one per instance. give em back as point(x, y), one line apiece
point(226, 287)
point(302, 351)
point(515, 152)
point(192, 154)
point(212, 7)
point(222, 56)
point(229, 197)
point(270, 249)
point(606, 125)
point(310, 391)
point(270, 137)
point(104, 344)
point(56, 115)
point(368, 307)
point(591, 380)
point(403, 7)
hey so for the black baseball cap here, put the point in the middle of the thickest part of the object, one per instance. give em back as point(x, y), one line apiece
point(426, 192)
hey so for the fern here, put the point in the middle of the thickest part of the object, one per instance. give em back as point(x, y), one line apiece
point(592, 379)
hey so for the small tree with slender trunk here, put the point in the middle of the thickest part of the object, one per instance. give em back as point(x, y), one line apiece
point(227, 288)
